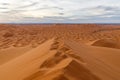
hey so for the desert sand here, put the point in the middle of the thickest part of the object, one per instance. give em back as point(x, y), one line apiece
point(59, 52)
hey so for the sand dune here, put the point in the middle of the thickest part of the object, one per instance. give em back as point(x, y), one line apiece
point(107, 43)
point(24, 35)
point(59, 52)
point(55, 61)
point(102, 65)
point(11, 53)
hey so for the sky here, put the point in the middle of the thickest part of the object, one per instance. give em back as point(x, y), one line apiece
point(59, 11)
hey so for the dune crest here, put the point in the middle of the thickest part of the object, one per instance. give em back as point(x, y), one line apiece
point(107, 43)
point(49, 61)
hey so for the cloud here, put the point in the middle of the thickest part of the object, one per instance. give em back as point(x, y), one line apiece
point(49, 7)
point(29, 5)
point(3, 8)
point(101, 11)
point(5, 4)
point(59, 10)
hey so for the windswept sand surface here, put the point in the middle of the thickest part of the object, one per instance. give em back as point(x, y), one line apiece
point(59, 52)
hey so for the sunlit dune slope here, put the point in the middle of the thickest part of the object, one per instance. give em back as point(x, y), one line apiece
point(11, 53)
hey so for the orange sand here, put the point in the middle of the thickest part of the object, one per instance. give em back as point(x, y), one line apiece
point(56, 52)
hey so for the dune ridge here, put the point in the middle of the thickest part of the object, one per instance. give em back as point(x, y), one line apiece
point(107, 43)
point(56, 60)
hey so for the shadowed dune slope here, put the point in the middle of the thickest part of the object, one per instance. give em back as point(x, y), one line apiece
point(69, 60)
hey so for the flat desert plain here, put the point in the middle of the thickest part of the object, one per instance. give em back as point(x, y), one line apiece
point(59, 52)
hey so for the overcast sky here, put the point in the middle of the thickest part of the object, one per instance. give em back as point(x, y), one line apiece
point(59, 11)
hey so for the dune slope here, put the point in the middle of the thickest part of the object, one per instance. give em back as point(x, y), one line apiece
point(107, 43)
point(11, 53)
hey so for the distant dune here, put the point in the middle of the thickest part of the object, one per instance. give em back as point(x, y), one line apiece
point(107, 43)
point(59, 52)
